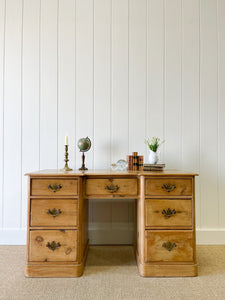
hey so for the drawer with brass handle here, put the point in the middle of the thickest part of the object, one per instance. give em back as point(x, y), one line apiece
point(53, 245)
point(169, 246)
point(108, 186)
point(54, 212)
point(54, 187)
point(168, 213)
point(168, 187)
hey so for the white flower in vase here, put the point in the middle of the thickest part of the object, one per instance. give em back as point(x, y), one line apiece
point(154, 152)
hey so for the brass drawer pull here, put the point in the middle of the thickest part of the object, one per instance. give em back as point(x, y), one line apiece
point(55, 187)
point(169, 246)
point(54, 212)
point(53, 245)
point(168, 187)
point(168, 213)
point(112, 188)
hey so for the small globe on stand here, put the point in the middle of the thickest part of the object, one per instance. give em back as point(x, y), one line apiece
point(84, 144)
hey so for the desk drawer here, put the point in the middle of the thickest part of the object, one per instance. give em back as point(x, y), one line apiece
point(53, 245)
point(54, 187)
point(168, 187)
point(106, 186)
point(169, 246)
point(54, 212)
point(168, 213)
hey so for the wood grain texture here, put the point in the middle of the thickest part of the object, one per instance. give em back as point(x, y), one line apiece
point(126, 187)
point(40, 187)
point(40, 215)
point(183, 187)
point(108, 172)
point(54, 271)
point(155, 252)
point(65, 245)
point(155, 218)
point(67, 251)
point(159, 270)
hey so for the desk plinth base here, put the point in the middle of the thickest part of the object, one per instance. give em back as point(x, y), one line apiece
point(56, 270)
point(167, 270)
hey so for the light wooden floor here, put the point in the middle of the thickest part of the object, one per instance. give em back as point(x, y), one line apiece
point(111, 273)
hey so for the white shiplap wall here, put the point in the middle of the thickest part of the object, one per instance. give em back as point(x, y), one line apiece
point(117, 71)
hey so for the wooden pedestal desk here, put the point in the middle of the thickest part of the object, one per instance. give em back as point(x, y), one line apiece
point(57, 230)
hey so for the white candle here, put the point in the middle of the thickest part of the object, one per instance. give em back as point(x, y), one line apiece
point(66, 140)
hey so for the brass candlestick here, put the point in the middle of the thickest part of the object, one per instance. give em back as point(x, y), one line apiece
point(66, 167)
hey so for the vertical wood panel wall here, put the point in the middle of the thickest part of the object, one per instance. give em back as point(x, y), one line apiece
point(117, 71)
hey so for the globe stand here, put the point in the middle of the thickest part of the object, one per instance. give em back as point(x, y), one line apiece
point(83, 168)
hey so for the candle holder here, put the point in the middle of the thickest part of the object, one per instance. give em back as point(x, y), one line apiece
point(66, 167)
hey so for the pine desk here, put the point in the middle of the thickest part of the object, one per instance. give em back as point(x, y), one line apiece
point(57, 227)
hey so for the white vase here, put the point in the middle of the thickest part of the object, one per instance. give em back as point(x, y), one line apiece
point(153, 157)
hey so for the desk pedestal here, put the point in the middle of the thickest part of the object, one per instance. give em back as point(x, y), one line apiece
point(57, 232)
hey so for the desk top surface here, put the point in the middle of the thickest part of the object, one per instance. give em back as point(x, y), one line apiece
point(166, 172)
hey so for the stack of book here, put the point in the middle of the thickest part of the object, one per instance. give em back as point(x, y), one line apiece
point(155, 167)
point(135, 162)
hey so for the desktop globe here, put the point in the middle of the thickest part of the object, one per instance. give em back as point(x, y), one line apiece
point(84, 144)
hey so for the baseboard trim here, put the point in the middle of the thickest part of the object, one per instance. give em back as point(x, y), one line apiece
point(210, 237)
point(16, 236)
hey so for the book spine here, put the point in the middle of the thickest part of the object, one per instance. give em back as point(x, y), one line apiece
point(129, 162)
point(140, 162)
point(135, 161)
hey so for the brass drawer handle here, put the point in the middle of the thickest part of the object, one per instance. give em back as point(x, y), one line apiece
point(55, 187)
point(168, 213)
point(54, 212)
point(169, 246)
point(53, 245)
point(168, 187)
point(112, 188)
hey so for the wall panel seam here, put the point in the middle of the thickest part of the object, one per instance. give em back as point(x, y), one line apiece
point(128, 75)
point(3, 117)
point(57, 87)
point(181, 83)
point(200, 105)
point(39, 98)
point(93, 83)
point(147, 75)
point(75, 83)
point(111, 62)
point(164, 77)
point(218, 120)
point(21, 115)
